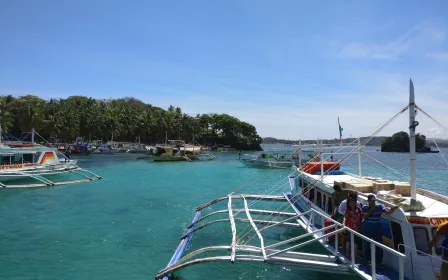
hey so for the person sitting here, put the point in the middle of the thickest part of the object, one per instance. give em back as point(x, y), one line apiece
point(352, 220)
point(371, 226)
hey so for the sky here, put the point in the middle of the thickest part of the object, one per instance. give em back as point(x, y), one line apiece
point(290, 68)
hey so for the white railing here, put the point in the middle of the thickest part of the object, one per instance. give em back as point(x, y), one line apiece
point(233, 227)
point(423, 253)
point(373, 243)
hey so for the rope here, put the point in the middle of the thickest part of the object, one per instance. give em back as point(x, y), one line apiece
point(313, 184)
point(426, 114)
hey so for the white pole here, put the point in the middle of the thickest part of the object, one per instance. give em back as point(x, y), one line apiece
point(300, 154)
point(359, 157)
point(321, 159)
point(32, 135)
point(412, 125)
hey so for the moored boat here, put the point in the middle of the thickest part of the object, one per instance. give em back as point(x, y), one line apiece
point(178, 150)
point(106, 149)
point(279, 159)
point(28, 164)
point(405, 229)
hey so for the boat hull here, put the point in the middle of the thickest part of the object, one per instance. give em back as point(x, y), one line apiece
point(268, 164)
point(167, 158)
point(15, 174)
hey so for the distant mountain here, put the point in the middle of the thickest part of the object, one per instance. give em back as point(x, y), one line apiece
point(442, 143)
point(375, 141)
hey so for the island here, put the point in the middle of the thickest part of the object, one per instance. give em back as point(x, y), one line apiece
point(399, 143)
point(124, 119)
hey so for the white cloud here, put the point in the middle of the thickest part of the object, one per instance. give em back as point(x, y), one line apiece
point(440, 56)
point(361, 112)
point(423, 35)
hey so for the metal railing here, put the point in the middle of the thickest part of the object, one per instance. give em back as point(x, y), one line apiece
point(422, 253)
point(373, 243)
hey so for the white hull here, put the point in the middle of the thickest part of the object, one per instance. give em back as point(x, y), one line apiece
point(107, 151)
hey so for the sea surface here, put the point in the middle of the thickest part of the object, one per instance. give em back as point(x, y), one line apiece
point(128, 225)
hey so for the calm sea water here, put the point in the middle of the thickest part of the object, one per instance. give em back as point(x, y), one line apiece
point(128, 225)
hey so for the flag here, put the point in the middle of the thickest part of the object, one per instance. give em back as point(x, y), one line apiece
point(340, 130)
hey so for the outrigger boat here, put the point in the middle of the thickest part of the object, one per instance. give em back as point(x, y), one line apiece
point(278, 159)
point(178, 150)
point(307, 203)
point(30, 165)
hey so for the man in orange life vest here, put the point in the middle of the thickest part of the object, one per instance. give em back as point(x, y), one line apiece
point(442, 231)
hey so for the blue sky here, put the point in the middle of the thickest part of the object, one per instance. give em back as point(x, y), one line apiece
point(291, 68)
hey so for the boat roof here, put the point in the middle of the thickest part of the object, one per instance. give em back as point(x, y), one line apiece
point(7, 150)
point(435, 205)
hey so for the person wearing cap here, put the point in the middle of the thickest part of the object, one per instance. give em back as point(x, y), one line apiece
point(442, 231)
point(371, 226)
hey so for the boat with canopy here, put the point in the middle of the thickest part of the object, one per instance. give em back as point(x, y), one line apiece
point(26, 164)
point(279, 158)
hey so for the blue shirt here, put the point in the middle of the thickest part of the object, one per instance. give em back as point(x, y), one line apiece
point(445, 245)
point(374, 219)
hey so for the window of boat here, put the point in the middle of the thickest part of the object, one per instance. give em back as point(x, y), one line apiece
point(311, 195)
point(330, 205)
point(421, 239)
point(318, 199)
point(324, 201)
point(439, 244)
point(27, 158)
point(397, 236)
point(7, 160)
point(304, 188)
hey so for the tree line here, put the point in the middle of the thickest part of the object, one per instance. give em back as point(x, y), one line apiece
point(399, 142)
point(124, 119)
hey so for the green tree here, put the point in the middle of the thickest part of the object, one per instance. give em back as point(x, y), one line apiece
point(124, 119)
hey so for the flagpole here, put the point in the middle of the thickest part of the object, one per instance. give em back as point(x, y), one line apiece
point(340, 132)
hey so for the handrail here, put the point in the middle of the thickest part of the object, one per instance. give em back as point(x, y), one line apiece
point(372, 243)
point(363, 237)
point(421, 252)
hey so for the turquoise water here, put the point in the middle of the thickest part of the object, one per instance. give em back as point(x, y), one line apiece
point(128, 225)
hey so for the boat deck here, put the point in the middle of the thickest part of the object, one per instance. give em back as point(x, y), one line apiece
point(271, 253)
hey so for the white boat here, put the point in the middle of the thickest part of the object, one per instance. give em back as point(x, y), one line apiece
point(30, 165)
point(279, 159)
point(178, 150)
point(307, 205)
point(106, 149)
